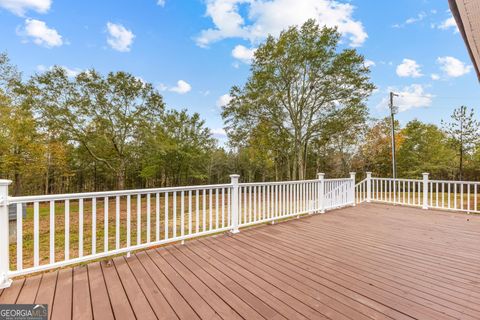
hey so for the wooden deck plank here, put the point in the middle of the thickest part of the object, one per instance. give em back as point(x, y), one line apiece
point(201, 307)
point(351, 250)
point(82, 307)
point(46, 290)
point(101, 306)
point(356, 280)
point(222, 308)
point(278, 289)
point(282, 307)
point(181, 307)
point(116, 292)
point(160, 305)
point(241, 300)
point(423, 291)
point(140, 305)
point(322, 303)
point(29, 290)
point(62, 302)
point(372, 261)
point(359, 302)
point(234, 307)
point(11, 294)
point(354, 270)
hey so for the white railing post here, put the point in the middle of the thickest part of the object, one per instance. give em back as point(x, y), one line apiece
point(425, 191)
point(321, 192)
point(369, 186)
point(234, 180)
point(5, 282)
point(351, 193)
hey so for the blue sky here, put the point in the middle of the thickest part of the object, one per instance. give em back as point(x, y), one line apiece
point(195, 50)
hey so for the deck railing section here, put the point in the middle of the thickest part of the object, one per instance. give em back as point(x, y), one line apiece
point(58, 230)
point(425, 193)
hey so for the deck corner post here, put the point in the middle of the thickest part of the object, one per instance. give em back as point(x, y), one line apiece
point(425, 191)
point(369, 187)
point(321, 192)
point(234, 219)
point(351, 193)
point(5, 281)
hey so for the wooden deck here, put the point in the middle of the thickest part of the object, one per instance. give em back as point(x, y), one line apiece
point(367, 262)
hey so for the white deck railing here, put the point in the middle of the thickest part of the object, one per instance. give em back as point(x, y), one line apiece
point(425, 193)
point(54, 231)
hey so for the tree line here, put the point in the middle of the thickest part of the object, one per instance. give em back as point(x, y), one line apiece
point(302, 111)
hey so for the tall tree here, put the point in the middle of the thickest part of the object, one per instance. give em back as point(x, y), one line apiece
point(297, 82)
point(102, 114)
point(179, 149)
point(463, 131)
point(424, 148)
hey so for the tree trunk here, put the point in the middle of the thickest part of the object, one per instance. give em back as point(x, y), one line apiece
point(461, 163)
point(300, 164)
point(121, 176)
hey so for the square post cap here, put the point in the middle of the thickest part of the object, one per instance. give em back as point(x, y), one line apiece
point(4, 182)
point(321, 175)
point(234, 178)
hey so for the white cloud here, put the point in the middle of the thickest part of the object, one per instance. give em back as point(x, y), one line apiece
point(453, 67)
point(182, 87)
point(41, 34)
point(71, 73)
point(449, 24)
point(243, 53)
point(119, 38)
point(412, 96)
point(435, 76)
point(19, 7)
point(419, 17)
point(369, 63)
point(220, 132)
point(223, 100)
point(409, 68)
point(271, 17)
point(161, 3)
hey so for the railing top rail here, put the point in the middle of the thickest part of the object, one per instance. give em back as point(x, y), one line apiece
point(453, 181)
point(338, 179)
point(248, 184)
point(100, 194)
point(251, 184)
point(397, 179)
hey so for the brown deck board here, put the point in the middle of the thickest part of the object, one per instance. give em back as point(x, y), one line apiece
point(118, 297)
point(46, 290)
point(82, 307)
point(62, 302)
point(201, 307)
point(160, 305)
point(140, 305)
point(372, 261)
point(351, 268)
point(101, 306)
point(10, 295)
point(29, 290)
point(175, 299)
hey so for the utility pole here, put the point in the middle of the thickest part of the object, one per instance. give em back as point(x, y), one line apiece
point(393, 111)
